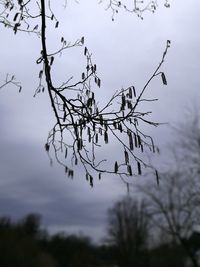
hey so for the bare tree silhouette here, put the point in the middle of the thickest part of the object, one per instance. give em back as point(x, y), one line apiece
point(174, 206)
point(174, 209)
point(128, 231)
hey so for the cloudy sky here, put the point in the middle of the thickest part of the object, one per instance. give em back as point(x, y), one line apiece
point(126, 52)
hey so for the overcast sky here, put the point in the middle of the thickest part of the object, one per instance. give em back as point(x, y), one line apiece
point(126, 52)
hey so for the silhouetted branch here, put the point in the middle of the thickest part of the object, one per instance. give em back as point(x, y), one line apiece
point(11, 80)
point(17, 16)
point(82, 125)
point(136, 6)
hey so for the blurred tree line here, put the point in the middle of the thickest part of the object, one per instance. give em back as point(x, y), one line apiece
point(157, 227)
point(24, 244)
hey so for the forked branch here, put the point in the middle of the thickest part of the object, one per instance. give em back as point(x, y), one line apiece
point(82, 127)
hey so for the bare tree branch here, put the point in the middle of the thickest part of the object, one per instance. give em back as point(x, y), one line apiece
point(82, 127)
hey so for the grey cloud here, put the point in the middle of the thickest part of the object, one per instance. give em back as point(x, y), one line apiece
point(125, 51)
point(29, 184)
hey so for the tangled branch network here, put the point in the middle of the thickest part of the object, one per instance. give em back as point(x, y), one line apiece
point(82, 127)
